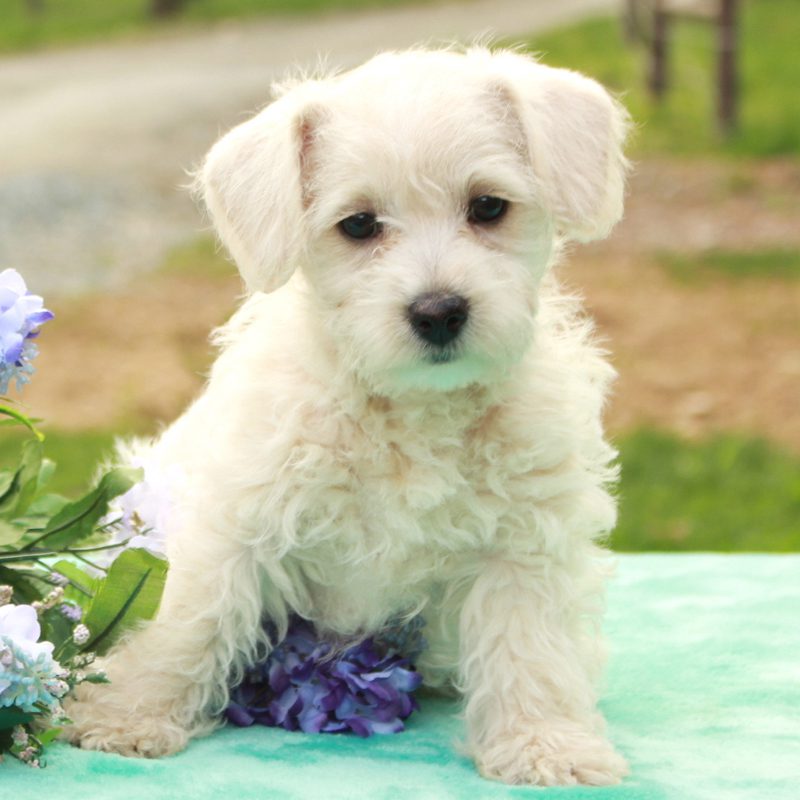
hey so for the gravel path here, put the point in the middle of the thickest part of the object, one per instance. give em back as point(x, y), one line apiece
point(96, 141)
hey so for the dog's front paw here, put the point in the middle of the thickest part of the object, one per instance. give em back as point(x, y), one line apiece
point(551, 754)
point(99, 725)
point(142, 737)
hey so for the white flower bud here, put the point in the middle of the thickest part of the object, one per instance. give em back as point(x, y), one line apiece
point(81, 634)
point(57, 688)
point(54, 597)
point(27, 754)
point(19, 736)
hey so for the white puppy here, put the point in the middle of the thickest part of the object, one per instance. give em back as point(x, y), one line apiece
point(405, 414)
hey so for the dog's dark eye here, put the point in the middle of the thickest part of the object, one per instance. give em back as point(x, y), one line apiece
point(360, 226)
point(487, 208)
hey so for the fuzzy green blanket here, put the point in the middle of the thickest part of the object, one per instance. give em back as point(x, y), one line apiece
point(703, 698)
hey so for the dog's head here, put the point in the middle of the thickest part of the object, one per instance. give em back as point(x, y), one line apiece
point(421, 195)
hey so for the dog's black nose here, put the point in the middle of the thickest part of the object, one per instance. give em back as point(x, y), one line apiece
point(438, 318)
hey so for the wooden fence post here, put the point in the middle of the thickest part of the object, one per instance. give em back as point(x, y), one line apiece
point(658, 52)
point(727, 77)
point(166, 8)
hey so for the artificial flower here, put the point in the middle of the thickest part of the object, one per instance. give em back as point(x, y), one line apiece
point(81, 634)
point(307, 684)
point(140, 517)
point(21, 316)
point(29, 676)
point(70, 611)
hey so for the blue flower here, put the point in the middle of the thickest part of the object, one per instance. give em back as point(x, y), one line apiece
point(29, 677)
point(306, 684)
point(21, 316)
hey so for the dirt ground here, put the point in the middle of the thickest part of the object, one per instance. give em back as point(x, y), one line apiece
point(693, 356)
point(713, 352)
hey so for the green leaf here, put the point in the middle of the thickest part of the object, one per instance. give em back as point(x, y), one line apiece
point(47, 505)
point(6, 479)
point(21, 530)
point(9, 717)
point(48, 736)
point(55, 628)
point(129, 594)
point(9, 533)
point(76, 521)
point(83, 586)
point(19, 495)
point(46, 472)
point(24, 590)
point(41, 511)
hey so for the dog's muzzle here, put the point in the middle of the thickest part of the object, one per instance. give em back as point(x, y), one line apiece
point(438, 318)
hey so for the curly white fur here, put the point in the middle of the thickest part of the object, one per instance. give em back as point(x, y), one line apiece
point(335, 470)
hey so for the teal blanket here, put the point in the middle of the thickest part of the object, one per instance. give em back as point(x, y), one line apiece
point(703, 698)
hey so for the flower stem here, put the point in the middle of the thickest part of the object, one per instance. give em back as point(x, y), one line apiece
point(35, 555)
point(22, 419)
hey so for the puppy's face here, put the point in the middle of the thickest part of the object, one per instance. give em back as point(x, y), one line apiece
point(415, 208)
point(426, 241)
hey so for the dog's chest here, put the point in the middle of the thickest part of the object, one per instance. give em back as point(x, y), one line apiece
point(406, 487)
point(395, 515)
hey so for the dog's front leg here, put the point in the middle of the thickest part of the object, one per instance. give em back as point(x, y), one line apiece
point(169, 679)
point(527, 673)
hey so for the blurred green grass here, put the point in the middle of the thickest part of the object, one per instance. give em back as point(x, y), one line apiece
point(77, 456)
point(685, 122)
point(202, 256)
point(727, 493)
point(71, 21)
point(783, 264)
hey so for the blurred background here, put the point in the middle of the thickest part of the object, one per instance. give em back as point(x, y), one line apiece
point(105, 107)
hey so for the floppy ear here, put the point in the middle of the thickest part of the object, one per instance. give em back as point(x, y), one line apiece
point(575, 132)
point(252, 186)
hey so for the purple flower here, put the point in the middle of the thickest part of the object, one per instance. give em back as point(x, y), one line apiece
point(71, 612)
point(21, 315)
point(307, 684)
